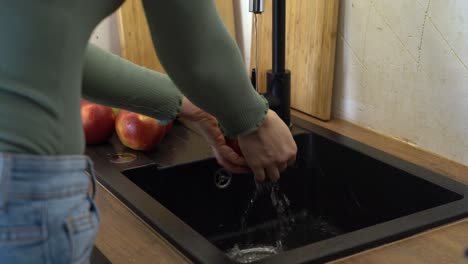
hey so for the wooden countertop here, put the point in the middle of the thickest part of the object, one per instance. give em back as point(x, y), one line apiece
point(124, 238)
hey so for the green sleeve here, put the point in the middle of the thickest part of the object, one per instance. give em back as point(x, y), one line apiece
point(113, 81)
point(204, 62)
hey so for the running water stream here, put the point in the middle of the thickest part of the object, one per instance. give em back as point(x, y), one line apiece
point(270, 224)
point(282, 224)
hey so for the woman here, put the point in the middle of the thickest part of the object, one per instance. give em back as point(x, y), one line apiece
point(46, 213)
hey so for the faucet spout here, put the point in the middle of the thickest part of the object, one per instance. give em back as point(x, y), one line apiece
point(279, 78)
point(279, 36)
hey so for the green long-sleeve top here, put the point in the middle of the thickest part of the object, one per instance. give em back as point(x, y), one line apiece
point(46, 65)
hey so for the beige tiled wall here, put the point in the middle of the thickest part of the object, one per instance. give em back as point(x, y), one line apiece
point(402, 70)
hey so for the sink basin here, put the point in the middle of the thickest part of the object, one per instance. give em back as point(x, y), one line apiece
point(340, 198)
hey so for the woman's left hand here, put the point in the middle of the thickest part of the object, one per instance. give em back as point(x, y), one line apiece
point(207, 125)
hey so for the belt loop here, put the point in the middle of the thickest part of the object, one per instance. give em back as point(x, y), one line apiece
point(5, 178)
point(91, 172)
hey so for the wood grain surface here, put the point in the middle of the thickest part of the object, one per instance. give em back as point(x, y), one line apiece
point(311, 29)
point(445, 245)
point(136, 44)
point(124, 238)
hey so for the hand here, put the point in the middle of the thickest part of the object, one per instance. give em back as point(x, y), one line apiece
point(207, 125)
point(270, 149)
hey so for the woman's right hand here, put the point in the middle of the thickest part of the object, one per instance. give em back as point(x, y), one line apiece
point(270, 149)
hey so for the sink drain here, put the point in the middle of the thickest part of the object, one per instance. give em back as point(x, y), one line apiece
point(249, 255)
point(222, 178)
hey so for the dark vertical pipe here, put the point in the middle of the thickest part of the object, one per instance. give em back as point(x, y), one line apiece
point(279, 35)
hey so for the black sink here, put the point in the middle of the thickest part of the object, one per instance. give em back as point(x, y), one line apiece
point(343, 197)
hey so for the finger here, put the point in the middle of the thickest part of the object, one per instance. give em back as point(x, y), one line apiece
point(230, 166)
point(236, 169)
point(292, 161)
point(229, 154)
point(226, 153)
point(273, 173)
point(259, 174)
point(282, 166)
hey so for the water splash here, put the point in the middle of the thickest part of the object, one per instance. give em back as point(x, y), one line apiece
point(283, 223)
point(283, 213)
point(271, 225)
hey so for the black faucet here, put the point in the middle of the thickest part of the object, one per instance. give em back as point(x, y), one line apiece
point(278, 78)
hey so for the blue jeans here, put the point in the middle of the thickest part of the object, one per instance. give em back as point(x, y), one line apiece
point(46, 212)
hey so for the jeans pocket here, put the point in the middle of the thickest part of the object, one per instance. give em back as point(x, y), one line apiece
point(81, 231)
point(22, 244)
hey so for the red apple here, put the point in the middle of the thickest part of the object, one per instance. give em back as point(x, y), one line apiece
point(234, 144)
point(98, 122)
point(138, 132)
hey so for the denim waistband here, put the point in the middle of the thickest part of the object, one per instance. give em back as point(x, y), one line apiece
point(44, 177)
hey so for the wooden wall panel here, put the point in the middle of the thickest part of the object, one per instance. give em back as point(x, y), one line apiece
point(135, 39)
point(311, 29)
